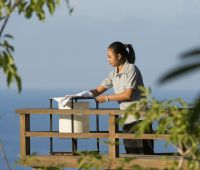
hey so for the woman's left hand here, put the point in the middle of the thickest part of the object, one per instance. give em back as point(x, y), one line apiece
point(101, 99)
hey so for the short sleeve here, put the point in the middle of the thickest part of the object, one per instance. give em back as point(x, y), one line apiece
point(108, 83)
point(131, 79)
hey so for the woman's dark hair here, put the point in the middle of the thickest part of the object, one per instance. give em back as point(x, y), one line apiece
point(120, 48)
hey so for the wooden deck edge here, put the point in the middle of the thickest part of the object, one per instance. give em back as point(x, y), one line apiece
point(145, 161)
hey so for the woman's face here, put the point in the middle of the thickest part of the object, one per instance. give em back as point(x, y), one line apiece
point(113, 59)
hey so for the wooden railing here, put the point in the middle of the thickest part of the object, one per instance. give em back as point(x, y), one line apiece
point(113, 135)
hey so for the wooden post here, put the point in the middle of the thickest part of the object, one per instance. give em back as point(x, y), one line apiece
point(116, 140)
point(113, 143)
point(51, 126)
point(24, 141)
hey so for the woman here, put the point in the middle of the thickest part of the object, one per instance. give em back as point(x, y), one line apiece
point(125, 79)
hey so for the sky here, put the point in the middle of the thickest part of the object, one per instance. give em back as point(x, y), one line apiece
point(69, 52)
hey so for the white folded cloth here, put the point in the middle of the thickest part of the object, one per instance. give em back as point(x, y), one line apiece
point(64, 100)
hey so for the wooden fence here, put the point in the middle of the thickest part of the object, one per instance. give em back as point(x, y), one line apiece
point(71, 160)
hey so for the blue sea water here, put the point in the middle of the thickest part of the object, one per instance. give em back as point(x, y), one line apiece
point(10, 100)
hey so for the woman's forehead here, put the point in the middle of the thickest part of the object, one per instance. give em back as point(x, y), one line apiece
point(110, 51)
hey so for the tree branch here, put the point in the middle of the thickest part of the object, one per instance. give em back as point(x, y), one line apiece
point(4, 25)
point(4, 156)
point(8, 16)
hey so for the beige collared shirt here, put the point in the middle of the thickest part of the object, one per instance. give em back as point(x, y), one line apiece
point(130, 77)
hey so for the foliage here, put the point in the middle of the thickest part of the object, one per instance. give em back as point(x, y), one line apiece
point(26, 8)
point(192, 63)
point(173, 117)
point(192, 60)
point(90, 160)
point(32, 158)
point(7, 62)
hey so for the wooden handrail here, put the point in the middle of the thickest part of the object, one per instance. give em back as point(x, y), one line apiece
point(112, 134)
point(74, 111)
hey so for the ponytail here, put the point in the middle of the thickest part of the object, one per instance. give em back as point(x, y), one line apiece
point(131, 53)
point(120, 48)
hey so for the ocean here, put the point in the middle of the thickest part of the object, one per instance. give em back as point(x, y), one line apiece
point(10, 100)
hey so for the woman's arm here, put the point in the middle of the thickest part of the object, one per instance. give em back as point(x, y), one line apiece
point(99, 90)
point(126, 95)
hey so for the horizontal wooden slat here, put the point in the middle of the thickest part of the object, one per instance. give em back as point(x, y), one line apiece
point(66, 135)
point(145, 161)
point(73, 111)
point(144, 136)
point(111, 111)
point(94, 135)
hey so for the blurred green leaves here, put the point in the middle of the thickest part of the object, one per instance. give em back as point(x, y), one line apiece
point(188, 121)
point(37, 7)
point(7, 63)
point(173, 117)
point(27, 8)
point(191, 60)
point(180, 71)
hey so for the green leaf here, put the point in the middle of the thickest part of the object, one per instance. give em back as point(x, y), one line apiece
point(9, 36)
point(29, 11)
point(22, 7)
point(8, 46)
point(1, 61)
point(9, 78)
point(192, 53)
point(19, 82)
point(8, 8)
point(5, 58)
point(10, 70)
point(1, 16)
point(39, 9)
point(41, 15)
point(10, 60)
point(57, 2)
point(51, 6)
point(179, 72)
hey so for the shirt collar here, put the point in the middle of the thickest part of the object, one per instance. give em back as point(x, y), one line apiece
point(123, 69)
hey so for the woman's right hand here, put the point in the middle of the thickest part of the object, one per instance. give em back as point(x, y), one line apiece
point(101, 99)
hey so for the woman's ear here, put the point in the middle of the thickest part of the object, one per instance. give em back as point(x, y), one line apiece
point(119, 56)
